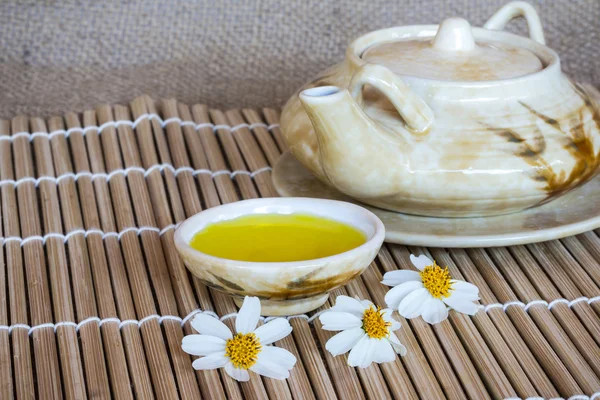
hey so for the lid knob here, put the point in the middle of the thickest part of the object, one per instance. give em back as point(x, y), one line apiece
point(454, 34)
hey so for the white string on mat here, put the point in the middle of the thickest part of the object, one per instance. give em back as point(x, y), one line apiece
point(86, 233)
point(126, 171)
point(100, 322)
point(134, 124)
point(532, 303)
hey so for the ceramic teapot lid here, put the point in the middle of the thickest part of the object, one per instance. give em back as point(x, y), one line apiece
point(453, 54)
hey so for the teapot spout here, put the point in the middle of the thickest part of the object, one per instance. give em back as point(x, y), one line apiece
point(352, 147)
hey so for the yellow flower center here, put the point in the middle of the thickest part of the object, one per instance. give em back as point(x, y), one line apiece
point(373, 323)
point(243, 350)
point(437, 280)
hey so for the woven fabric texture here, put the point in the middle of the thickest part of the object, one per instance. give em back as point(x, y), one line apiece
point(59, 55)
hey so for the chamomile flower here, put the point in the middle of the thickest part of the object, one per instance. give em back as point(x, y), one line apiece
point(367, 332)
point(247, 349)
point(429, 292)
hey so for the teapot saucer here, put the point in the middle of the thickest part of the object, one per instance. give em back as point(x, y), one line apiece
point(571, 214)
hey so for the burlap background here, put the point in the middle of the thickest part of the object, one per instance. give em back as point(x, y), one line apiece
point(57, 56)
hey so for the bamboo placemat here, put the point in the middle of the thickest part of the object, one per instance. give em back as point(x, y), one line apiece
point(94, 300)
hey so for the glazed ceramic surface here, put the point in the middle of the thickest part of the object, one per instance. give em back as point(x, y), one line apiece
point(285, 288)
point(571, 214)
point(448, 121)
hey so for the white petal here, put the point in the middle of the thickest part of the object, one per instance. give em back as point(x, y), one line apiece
point(212, 361)
point(383, 351)
point(278, 355)
point(367, 304)
point(207, 325)
point(420, 262)
point(202, 345)
point(412, 305)
point(466, 289)
point(273, 331)
point(238, 374)
point(249, 314)
point(395, 278)
point(344, 341)
point(349, 305)
point(461, 304)
point(361, 355)
point(338, 321)
point(268, 365)
point(396, 294)
point(434, 311)
point(398, 347)
point(387, 317)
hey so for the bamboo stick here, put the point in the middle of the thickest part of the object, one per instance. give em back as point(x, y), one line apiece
point(526, 366)
point(234, 158)
point(272, 118)
point(488, 355)
point(265, 139)
point(426, 382)
point(156, 352)
point(252, 153)
point(575, 261)
point(438, 361)
point(72, 368)
point(214, 157)
point(182, 291)
point(571, 326)
point(546, 354)
point(553, 257)
point(320, 381)
point(197, 154)
point(24, 387)
point(458, 356)
point(396, 378)
point(48, 375)
point(584, 250)
point(573, 278)
point(6, 385)
point(372, 381)
point(345, 379)
point(100, 216)
point(85, 292)
point(587, 262)
point(151, 243)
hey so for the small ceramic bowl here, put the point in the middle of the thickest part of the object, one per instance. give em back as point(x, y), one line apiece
point(285, 288)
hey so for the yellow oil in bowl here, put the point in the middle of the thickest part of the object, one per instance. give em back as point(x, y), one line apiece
point(277, 238)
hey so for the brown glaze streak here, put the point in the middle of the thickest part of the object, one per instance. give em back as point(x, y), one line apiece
point(309, 287)
point(531, 153)
point(228, 284)
point(578, 144)
point(575, 141)
point(298, 289)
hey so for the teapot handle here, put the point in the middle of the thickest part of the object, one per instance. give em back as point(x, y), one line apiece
point(415, 112)
point(518, 9)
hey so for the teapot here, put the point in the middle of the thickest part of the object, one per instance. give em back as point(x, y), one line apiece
point(448, 120)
